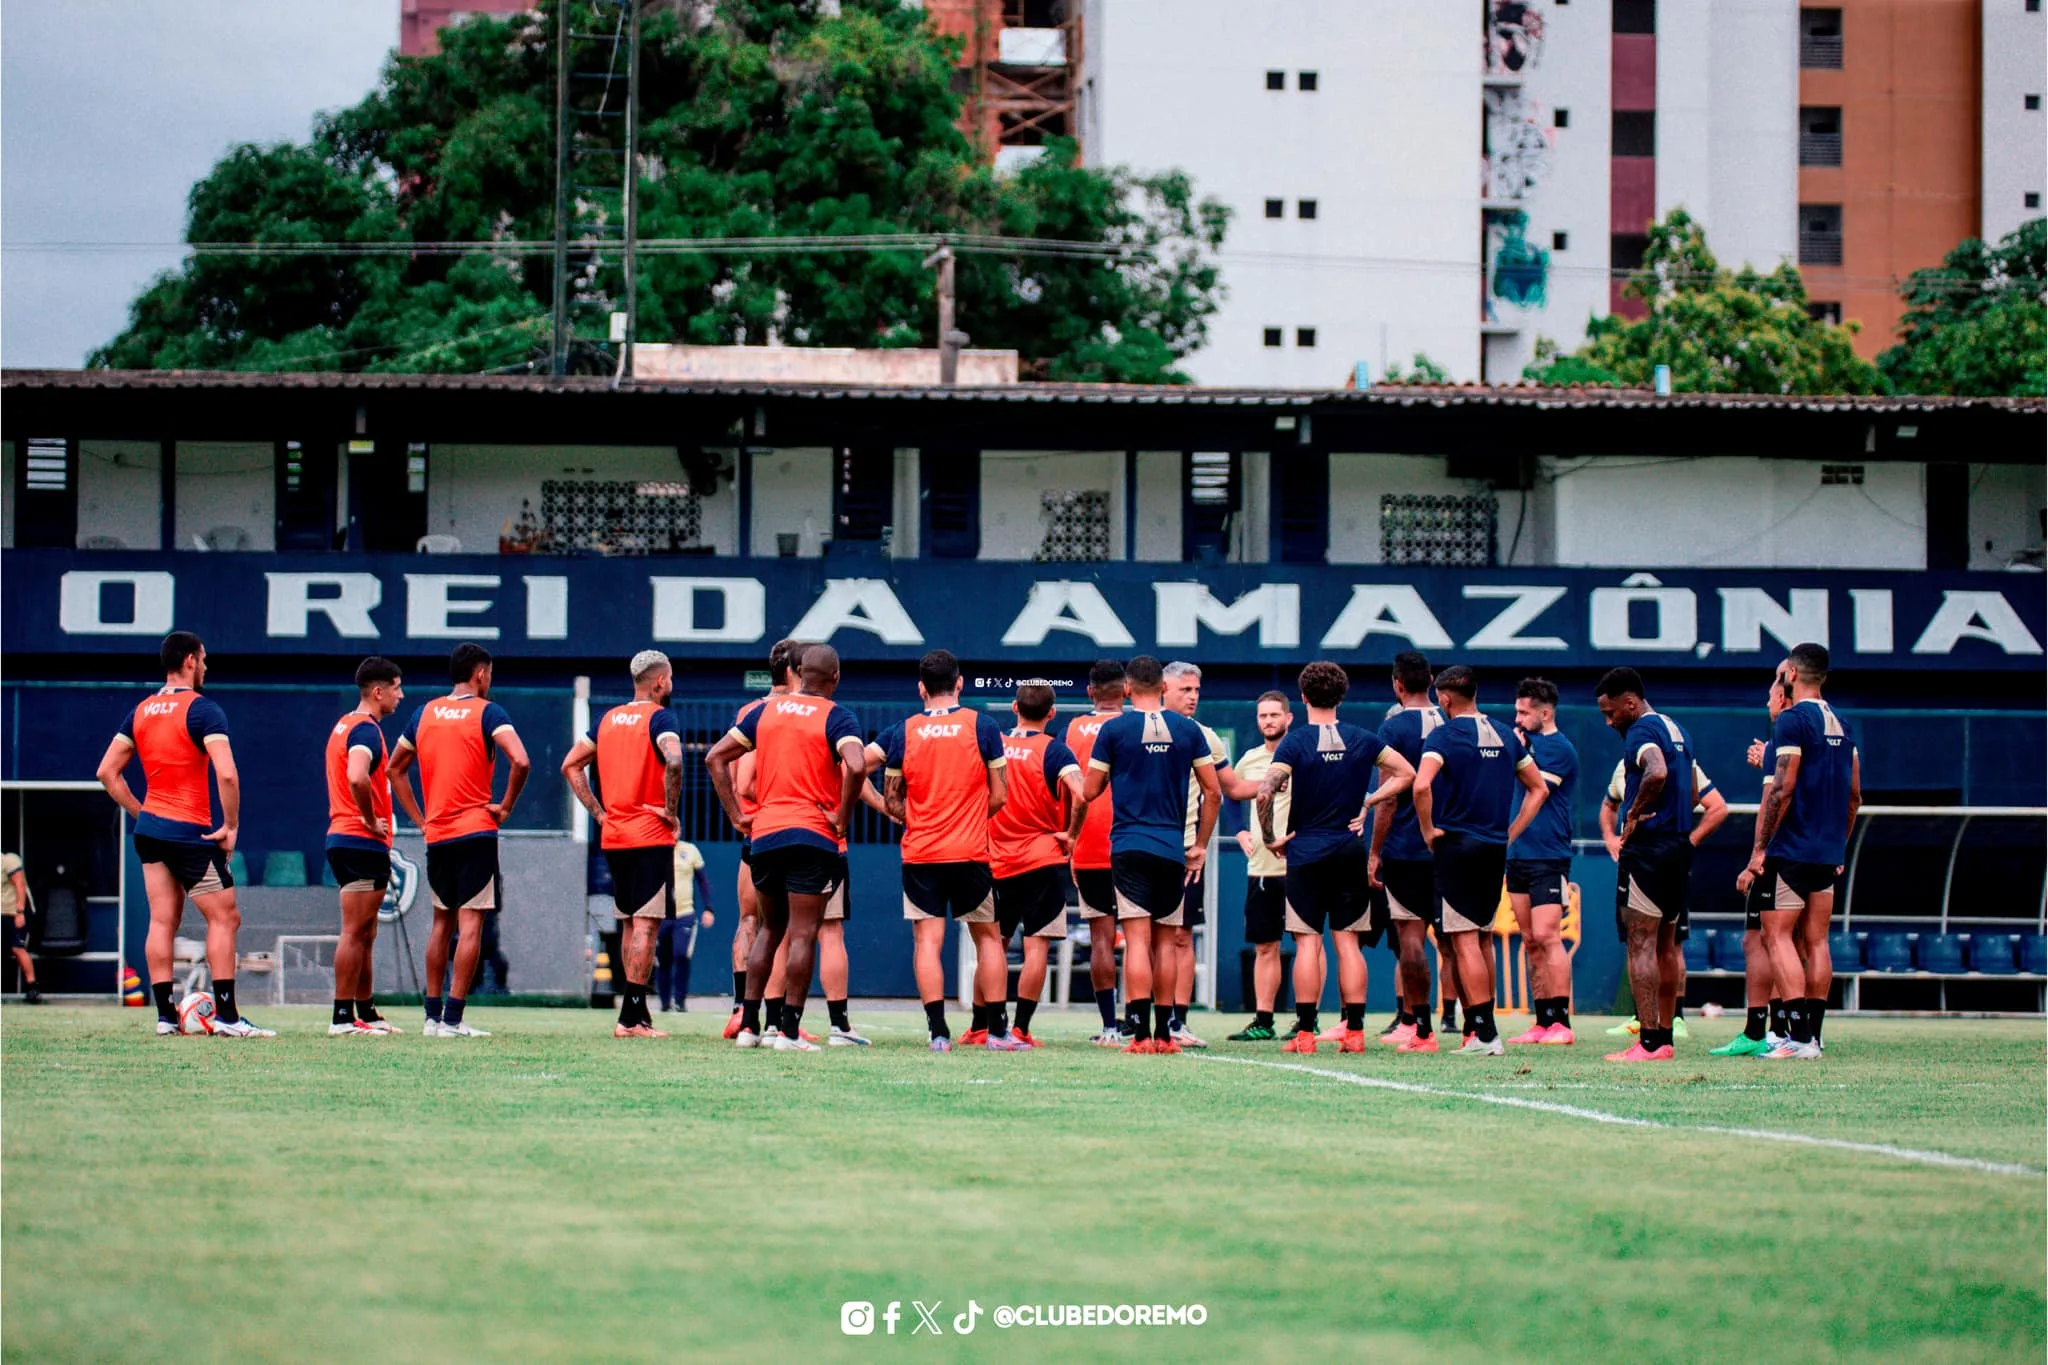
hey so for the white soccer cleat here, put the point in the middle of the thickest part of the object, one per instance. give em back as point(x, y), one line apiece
point(1792, 1051)
point(168, 1028)
point(846, 1037)
point(462, 1030)
point(241, 1028)
point(433, 1028)
point(796, 1044)
point(1181, 1035)
point(1110, 1037)
point(746, 1037)
point(1474, 1048)
point(355, 1026)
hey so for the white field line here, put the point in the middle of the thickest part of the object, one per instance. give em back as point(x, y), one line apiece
point(1923, 1158)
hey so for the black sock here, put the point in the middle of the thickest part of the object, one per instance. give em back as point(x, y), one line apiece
point(998, 1022)
point(1818, 1008)
point(344, 1012)
point(1138, 1016)
point(432, 1005)
point(1801, 1024)
point(1304, 1018)
point(935, 1019)
point(164, 1009)
point(1025, 1009)
point(224, 1000)
point(1423, 1028)
point(1180, 1015)
point(836, 1011)
point(739, 990)
point(792, 1017)
point(1678, 1011)
point(1758, 1020)
point(451, 1010)
point(750, 1016)
point(771, 1011)
point(981, 1014)
point(367, 1011)
point(1403, 1017)
point(1479, 1022)
point(1262, 1018)
point(1354, 1018)
point(1561, 1010)
point(1780, 1025)
point(629, 1005)
point(1162, 1021)
point(1654, 1038)
point(1106, 1002)
point(1449, 1023)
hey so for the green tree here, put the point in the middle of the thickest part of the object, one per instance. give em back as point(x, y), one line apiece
point(759, 119)
point(1719, 331)
point(1421, 370)
point(1976, 324)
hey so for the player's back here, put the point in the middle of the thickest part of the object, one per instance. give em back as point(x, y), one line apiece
point(345, 824)
point(1474, 793)
point(1021, 835)
point(631, 774)
point(796, 738)
point(1815, 826)
point(1549, 835)
point(944, 758)
point(1404, 730)
point(457, 754)
point(169, 731)
point(1148, 756)
point(1671, 810)
point(1331, 769)
point(1091, 847)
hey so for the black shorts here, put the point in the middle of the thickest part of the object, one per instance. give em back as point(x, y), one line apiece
point(643, 881)
point(1098, 891)
point(1034, 901)
point(1194, 898)
point(1469, 874)
point(16, 937)
point(199, 868)
point(1408, 891)
point(1542, 880)
point(746, 853)
point(961, 891)
point(360, 869)
point(1787, 885)
point(798, 870)
point(1651, 878)
point(1332, 891)
point(1149, 887)
point(1265, 909)
point(464, 874)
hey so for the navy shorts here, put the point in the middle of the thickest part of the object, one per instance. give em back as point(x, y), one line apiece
point(360, 869)
point(1265, 909)
point(1651, 878)
point(1469, 875)
point(1542, 880)
point(1098, 891)
point(199, 868)
point(1332, 891)
point(1034, 901)
point(464, 874)
point(962, 891)
point(1193, 900)
point(797, 870)
point(643, 881)
point(1149, 887)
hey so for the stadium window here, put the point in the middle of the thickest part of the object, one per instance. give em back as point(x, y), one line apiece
point(1306, 80)
point(1625, 250)
point(1304, 336)
point(1276, 208)
point(305, 489)
point(862, 495)
point(1276, 80)
point(1830, 313)
point(2033, 101)
point(1820, 39)
point(1635, 132)
point(1559, 240)
point(951, 484)
point(1635, 16)
point(1209, 501)
point(45, 494)
point(2033, 6)
point(1561, 118)
point(1305, 208)
point(1273, 336)
point(2031, 199)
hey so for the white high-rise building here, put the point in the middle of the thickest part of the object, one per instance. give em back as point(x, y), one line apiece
point(2015, 147)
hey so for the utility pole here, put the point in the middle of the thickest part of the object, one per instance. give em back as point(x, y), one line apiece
point(558, 359)
point(631, 177)
point(951, 339)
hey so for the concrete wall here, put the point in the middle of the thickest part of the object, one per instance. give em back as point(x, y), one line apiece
point(792, 493)
point(1728, 124)
point(1730, 513)
point(225, 484)
point(1159, 499)
point(473, 491)
point(816, 364)
point(1358, 480)
point(120, 493)
point(1012, 517)
point(2014, 145)
point(1388, 146)
point(2006, 503)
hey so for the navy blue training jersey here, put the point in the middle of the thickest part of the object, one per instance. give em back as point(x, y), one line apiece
point(1403, 731)
point(1332, 767)
point(1549, 835)
point(1672, 810)
point(1149, 756)
point(1815, 827)
point(1476, 792)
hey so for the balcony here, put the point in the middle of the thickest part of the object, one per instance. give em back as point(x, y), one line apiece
point(1820, 149)
point(1820, 51)
point(1820, 248)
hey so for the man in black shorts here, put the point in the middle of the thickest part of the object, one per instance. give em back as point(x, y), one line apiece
point(1089, 824)
point(1265, 890)
point(1404, 883)
point(1029, 844)
point(359, 795)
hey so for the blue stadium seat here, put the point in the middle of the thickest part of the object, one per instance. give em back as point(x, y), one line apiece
point(1891, 952)
point(238, 868)
point(284, 867)
point(1991, 953)
point(2034, 954)
point(1728, 950)
point(1941, 953)
point(1846, 948)
point(1699, 949)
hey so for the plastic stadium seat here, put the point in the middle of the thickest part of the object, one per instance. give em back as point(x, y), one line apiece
point(1941, 953)
point(1991, 953)
point(2034, 954)
point(238, 868)
point(1728, 950)
point(284, 867)
point(1889, 952)
point(1846, 948)
point(1699, 950)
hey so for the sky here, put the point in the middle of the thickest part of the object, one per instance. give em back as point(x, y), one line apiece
point(110, 111)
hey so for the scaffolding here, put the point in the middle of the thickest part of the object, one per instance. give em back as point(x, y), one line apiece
point(1019, 74)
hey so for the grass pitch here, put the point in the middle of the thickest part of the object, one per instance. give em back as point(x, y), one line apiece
point(551, 1194)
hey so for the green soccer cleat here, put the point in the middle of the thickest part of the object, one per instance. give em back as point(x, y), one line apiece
point(1678, 1028)
point(1254, 1033)
point(1741, 1045)
point(1633, 1026)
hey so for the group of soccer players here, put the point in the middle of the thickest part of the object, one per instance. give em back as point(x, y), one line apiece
point(1415, 826)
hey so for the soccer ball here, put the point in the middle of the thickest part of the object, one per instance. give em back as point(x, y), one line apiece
point(195, 1013)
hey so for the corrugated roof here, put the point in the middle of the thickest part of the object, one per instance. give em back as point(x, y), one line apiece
point(1525, 396)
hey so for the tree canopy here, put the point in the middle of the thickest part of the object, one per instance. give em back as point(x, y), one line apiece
point(1720, 331)
point(759, 119)
point(1976, 324)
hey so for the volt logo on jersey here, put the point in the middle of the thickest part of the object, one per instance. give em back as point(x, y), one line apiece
point(938, 731)
point(796, 708)
point(626, 718)
point(449, 712)
point(158, 708)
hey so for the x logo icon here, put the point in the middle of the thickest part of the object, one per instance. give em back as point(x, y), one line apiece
point(927, 1318)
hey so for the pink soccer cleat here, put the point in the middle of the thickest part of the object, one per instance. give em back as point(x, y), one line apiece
point(1538, 1033)
point(1638, 1053)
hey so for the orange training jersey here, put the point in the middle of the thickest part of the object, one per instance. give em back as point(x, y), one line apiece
point(169, 732)
point(630, 774)
point(944, 758)
point(1020, 838)
point(345, 825)
point(749, 805)
point(455, 737)
point(796, 739)
point(1091, 850)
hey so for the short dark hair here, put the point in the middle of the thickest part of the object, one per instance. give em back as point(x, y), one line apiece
point(783, 656)
point(465, 661)
point(178, 646)
point(1324, 683)
point(1411, 671)
point(939, 671)
point(376, 669)
point(1275, 695)
point(1459, 681)
point(1105, 672)
point(1809, 662)
point(815, 662)
point(1034, 701)
point(1146, 674)
point(1619, 682)
point(1542, 691)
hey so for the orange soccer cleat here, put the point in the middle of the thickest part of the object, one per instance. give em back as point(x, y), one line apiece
point(1303, 1043)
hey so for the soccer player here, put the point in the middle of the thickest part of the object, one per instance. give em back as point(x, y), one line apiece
point(14, 907)
point(1329, 766)
point(943, 775)
point(809, 766)
point(782, 657)
point(1655, 858)
point(1029, 844)
point(676, 944)
point(1184, 694)
point(638, 749)
point(1464, 805)
point(1540, 864)
point(181, 735)
point(1399, 863)
point(1265, 891)
point(1767, 1019)
point(455, 740)
point(1144, 757)
point(359, 799)
point(1802, 836)
point(1090, 826)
